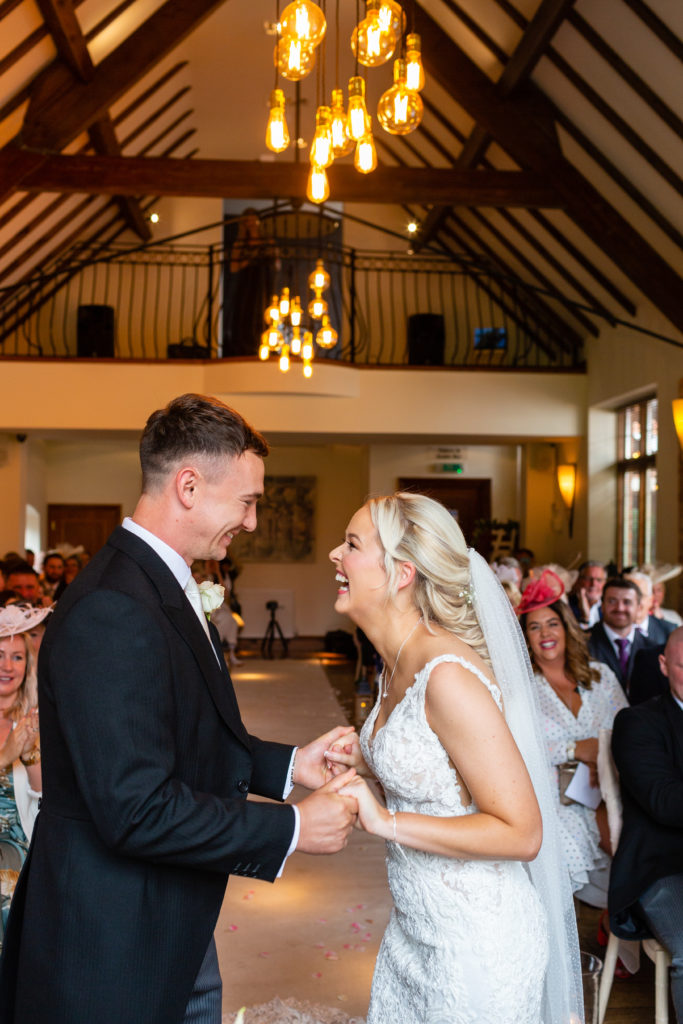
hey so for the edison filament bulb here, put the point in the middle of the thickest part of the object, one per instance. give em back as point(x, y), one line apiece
point(321, 148)
point(415, 75)
point(400, 110)
point(319, 279)
point(272, 314)
point(358, 119)
point(305, 21)
point(317, 187)
point(293, 59)
point(365, 158)
point(371, 43)
point(342, 143)
point(326, 336)
point(277, 133)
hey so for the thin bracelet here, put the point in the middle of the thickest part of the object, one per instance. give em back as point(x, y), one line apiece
point(393, 819)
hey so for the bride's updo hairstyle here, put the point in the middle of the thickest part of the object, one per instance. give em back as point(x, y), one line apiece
point(414, 528)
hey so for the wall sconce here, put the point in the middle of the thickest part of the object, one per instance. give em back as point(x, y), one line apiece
point(678, 418)
point(566, 481)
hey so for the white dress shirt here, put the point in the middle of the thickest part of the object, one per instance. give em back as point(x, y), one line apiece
point(181, 570)
point(613, 637)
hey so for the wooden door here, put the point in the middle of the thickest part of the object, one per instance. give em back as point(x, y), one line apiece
point(467, 500)
point(89, 525)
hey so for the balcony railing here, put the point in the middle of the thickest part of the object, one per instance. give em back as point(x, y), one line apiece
point(166, 301)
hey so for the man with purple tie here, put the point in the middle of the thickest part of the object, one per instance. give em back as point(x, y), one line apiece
point(616, 640)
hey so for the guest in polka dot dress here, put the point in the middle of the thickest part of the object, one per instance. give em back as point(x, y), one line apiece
point(577, 698)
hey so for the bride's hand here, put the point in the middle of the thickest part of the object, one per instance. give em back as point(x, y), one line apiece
point(344, 754)
point(372, 816)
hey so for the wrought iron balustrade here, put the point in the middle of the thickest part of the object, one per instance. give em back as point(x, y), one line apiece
point(389, 308)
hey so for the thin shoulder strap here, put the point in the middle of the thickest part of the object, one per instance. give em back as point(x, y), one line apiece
point(491, 687)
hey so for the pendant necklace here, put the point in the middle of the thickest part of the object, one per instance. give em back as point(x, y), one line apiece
point(385, 692)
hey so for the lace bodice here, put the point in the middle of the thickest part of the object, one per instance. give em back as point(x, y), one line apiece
point(466, 943)
point(407, 756)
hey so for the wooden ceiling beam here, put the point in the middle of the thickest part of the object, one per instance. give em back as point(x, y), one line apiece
point(61, 107)
point(563, 337)
point(253, 179)
point(519, 312)
point(60, 18)
point(518, 68)
point(514, 127)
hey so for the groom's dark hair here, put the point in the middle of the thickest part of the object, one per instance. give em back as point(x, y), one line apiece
point(193, 425)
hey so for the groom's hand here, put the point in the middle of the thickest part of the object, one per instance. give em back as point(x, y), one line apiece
point(327, 817)
point(311, 768)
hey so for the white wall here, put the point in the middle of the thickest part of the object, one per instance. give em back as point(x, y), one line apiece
point(495, 462)
point(341, 472)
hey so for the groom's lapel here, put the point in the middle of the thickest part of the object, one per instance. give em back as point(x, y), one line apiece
point(184, 619)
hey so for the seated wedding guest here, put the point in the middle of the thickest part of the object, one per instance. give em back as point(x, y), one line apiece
point(586, 594)
point(577, 698)
point(72, 567)
point(615, 639)
point(647, 678)
point(525, 557)
point(53, 573)
point(661, 574)
point(646, 887)
point(653, 629)
point(30, 557)
point(20, 777)
point(24, 581)
point(509, 581)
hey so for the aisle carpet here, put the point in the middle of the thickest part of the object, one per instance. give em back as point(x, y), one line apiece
point(303, 949)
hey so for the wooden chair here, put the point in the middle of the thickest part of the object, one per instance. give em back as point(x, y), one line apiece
point(609, 785)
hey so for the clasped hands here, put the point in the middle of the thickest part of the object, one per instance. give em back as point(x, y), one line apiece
point(22, 740)
point(332, 766)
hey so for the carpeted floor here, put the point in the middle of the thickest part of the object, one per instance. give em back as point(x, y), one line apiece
point(290, 1011)
point(313, 935)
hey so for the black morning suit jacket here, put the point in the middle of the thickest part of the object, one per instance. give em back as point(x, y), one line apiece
point(601, 649)
point(146, 770)
point(647, 745)
point(647, 678)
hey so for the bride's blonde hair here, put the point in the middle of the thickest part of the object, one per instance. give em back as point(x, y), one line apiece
point(414, 528)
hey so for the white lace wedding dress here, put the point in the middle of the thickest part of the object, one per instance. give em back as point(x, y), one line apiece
point(466, 942)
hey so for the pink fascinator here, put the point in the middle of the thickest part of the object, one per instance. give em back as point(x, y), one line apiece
point(539, 593)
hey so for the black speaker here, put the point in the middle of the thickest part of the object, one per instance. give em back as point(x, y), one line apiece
point(95, 332)
point(426, 339)
point(188, 348)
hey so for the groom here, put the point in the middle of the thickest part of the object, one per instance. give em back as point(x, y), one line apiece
point(146, 762)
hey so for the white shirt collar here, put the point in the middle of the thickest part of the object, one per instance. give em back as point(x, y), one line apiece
point(679, 702)
point(175, 562)
point(615, 636)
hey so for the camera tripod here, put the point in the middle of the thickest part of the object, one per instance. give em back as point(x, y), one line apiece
point(272, 629)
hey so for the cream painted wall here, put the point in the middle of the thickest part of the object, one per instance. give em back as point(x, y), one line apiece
point(97, 472)
point(495, 462)
point(341, 472)
point(13, 463)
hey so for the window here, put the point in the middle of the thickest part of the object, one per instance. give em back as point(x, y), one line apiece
point(637, 479)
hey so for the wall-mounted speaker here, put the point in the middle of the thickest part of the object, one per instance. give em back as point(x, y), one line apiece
point(426, 339)
point(95, 332)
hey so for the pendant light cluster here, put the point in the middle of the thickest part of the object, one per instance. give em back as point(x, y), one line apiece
point(340, 129)
point(285, 334)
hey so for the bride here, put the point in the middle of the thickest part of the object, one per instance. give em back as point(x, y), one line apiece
point(482, 928)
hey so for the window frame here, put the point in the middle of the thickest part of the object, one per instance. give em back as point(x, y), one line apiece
point(640, 464)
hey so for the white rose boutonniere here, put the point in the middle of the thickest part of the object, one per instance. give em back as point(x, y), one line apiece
point(212, 595)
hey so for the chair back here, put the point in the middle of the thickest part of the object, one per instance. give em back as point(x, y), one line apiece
point(609, 785)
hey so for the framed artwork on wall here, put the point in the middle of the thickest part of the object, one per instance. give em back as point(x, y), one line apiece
point(286, 523)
